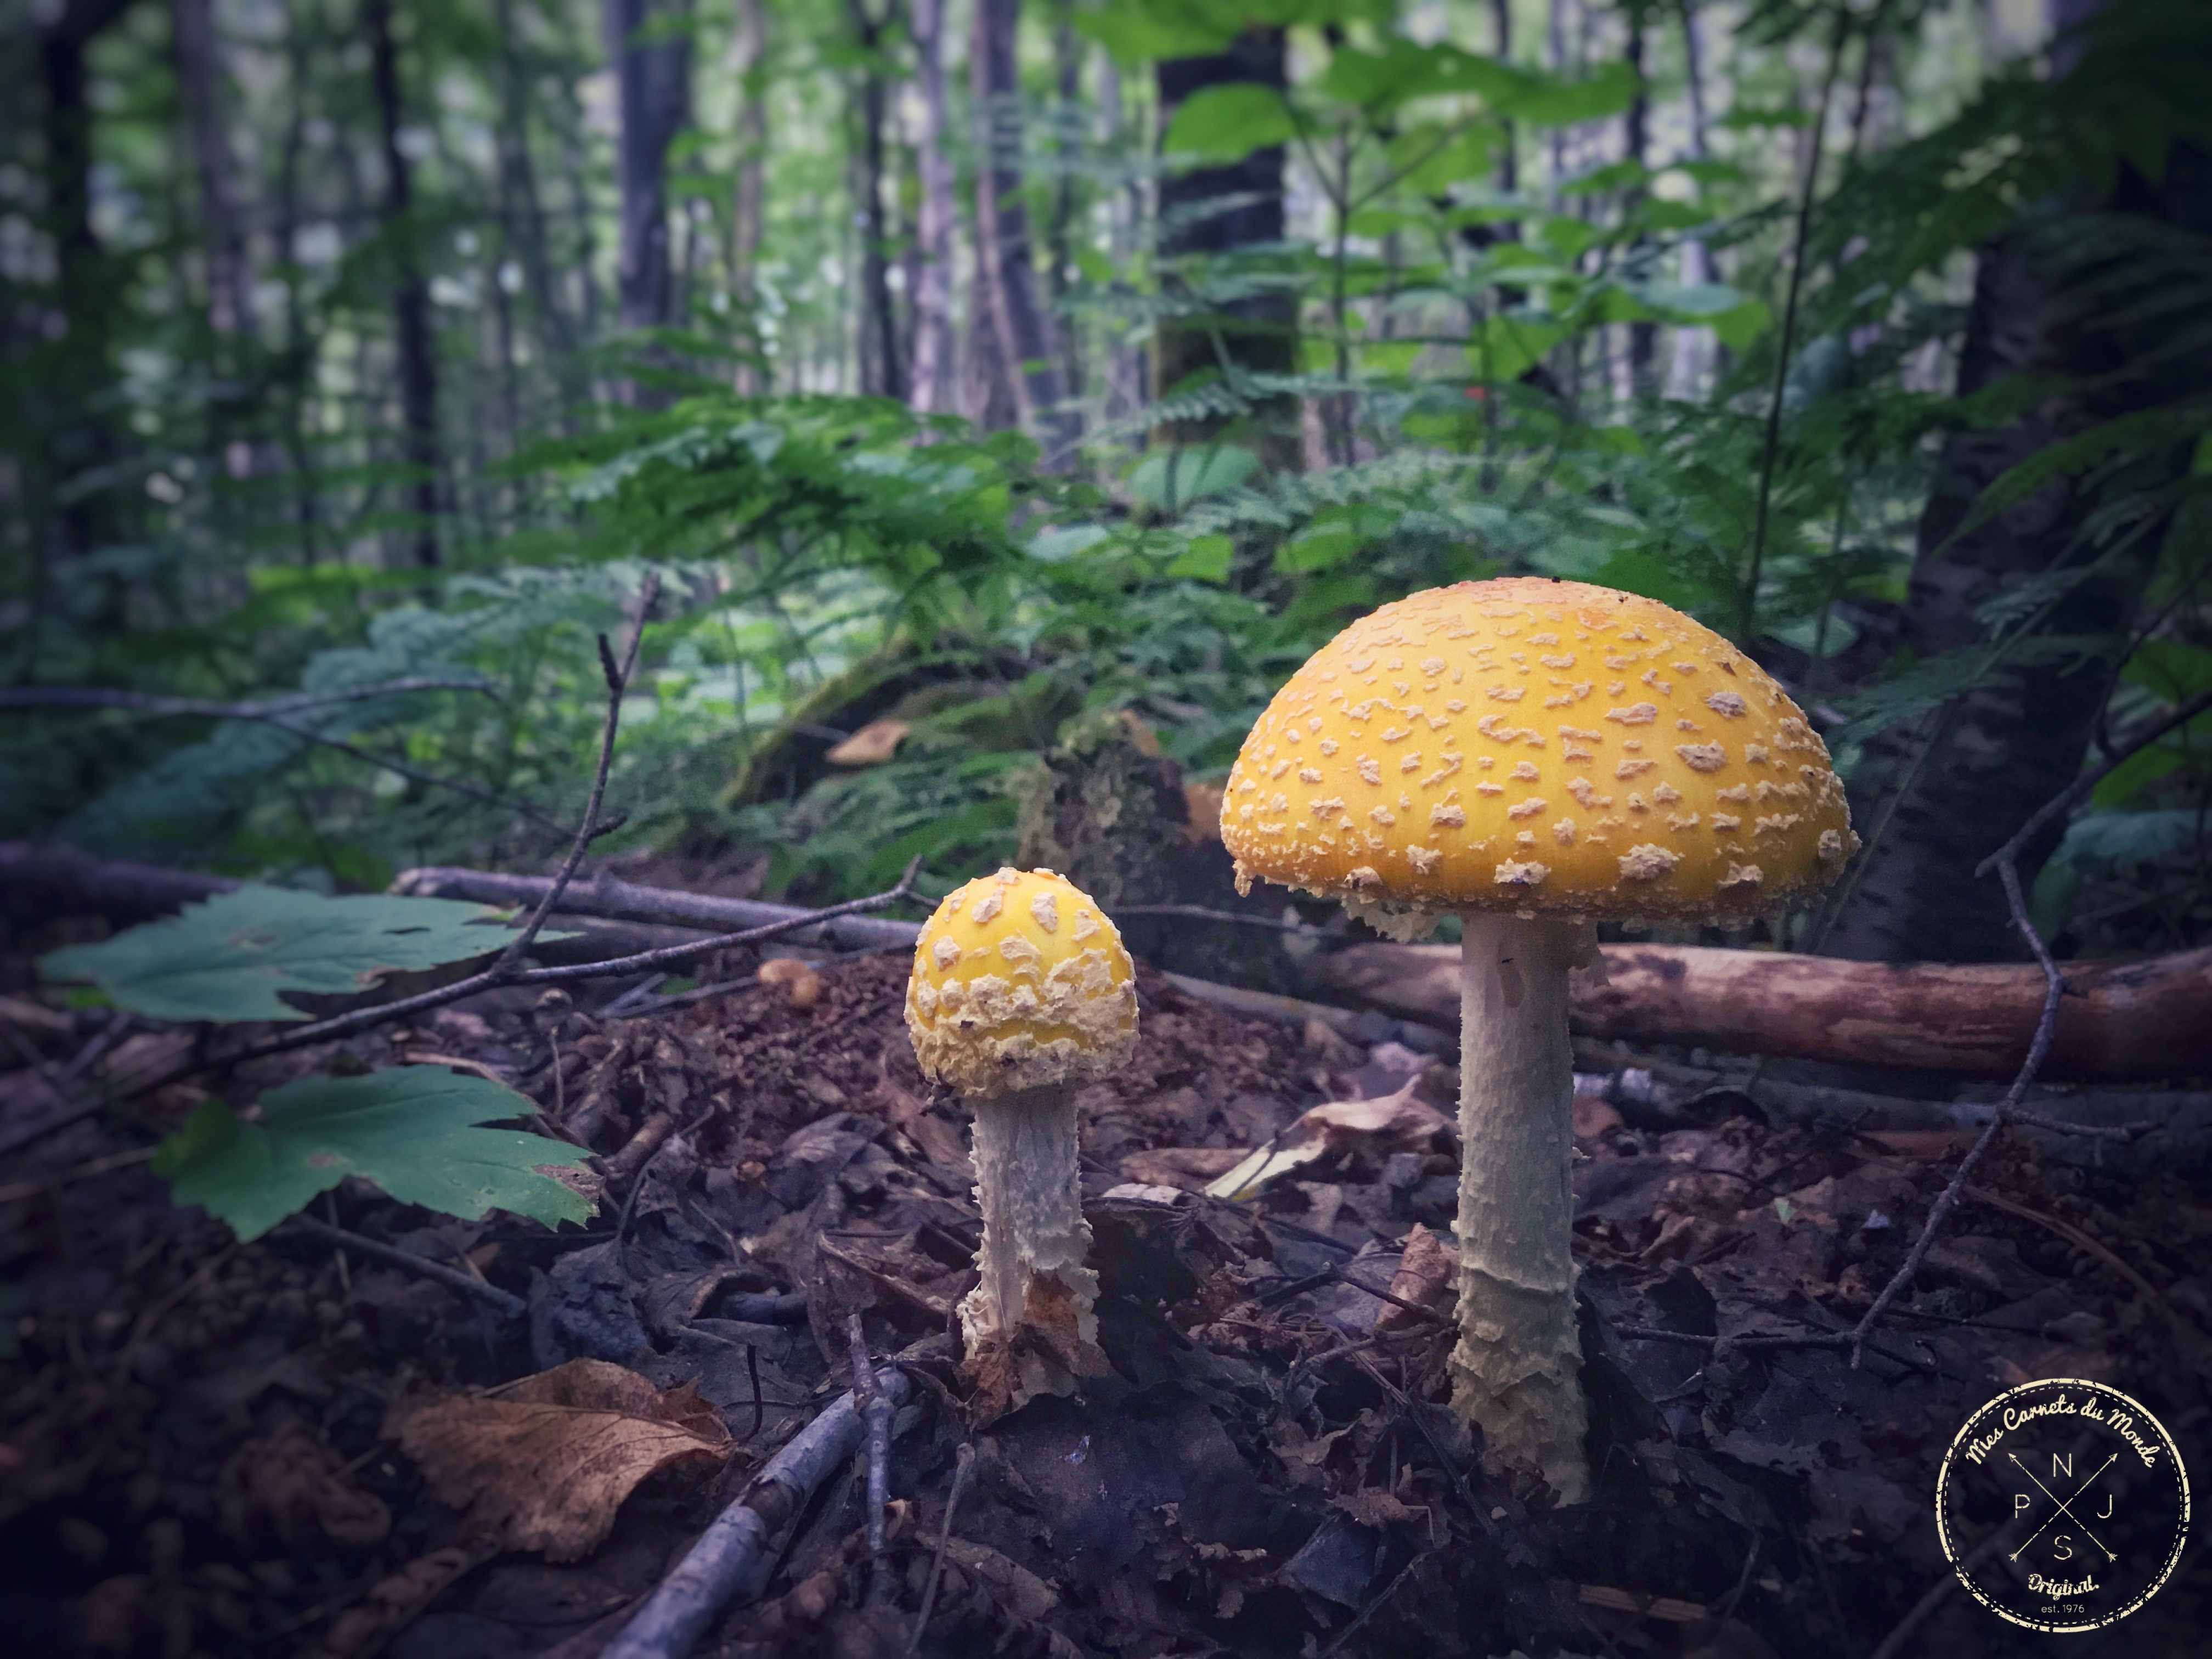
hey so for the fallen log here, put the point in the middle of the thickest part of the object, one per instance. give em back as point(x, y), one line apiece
point(2151, 1018)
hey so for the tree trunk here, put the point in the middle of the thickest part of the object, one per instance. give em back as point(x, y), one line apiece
point(882, 368)
point(83, 436)
point(1007, 274)
point(650, 46)
point(199, 84)
point(1997, 753)
point(1642, 338)
point(411, 304)
point(523, 233)
point(1693, 347)
point(745, 211)
point(931, 390)
point(1250, 337)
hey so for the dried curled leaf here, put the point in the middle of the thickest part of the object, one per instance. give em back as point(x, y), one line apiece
point(544, 1464)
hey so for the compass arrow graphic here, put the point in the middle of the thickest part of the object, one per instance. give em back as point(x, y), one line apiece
point(2065, 1508)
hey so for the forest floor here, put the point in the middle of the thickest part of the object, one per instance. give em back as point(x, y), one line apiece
point(212, 1448)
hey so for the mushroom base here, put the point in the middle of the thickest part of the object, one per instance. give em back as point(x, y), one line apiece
point(1516, 1368)
point(1028, 1325)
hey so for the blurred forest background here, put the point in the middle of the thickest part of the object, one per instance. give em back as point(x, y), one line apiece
point(1042, 375)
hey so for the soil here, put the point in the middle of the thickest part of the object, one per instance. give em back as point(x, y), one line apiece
point(194, 1434)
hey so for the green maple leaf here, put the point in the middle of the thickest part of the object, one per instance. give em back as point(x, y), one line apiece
point(410, 1129)
point(227, 957)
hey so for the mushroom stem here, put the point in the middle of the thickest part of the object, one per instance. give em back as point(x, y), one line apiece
point(1035, 1237)
point(1516, 1368)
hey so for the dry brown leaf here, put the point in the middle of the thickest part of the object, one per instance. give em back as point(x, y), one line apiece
point(1201, 806)
point(871, 745)
point(1375, 1507)
point(1425, 1275)
point(1188, 1167)
point(544, 1464)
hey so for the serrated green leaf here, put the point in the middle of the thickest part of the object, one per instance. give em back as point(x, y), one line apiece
point(1226, 124)
point(228, 958)
point(1205, 559)
point(411, 1130)
point(1171, 481)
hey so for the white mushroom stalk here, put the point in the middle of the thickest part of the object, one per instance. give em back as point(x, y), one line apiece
point(1021, 993)
point(1533, 755)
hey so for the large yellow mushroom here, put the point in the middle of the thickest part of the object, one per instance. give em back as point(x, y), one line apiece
point(1020, 992)
point(1533, 755)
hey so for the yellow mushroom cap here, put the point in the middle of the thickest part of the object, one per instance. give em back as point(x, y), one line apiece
point(1536, 746)
point(1020, 980)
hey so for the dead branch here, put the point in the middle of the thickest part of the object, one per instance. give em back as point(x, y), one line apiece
point(963, 1467)
point(267, 708)
point(451, 1278)
point(731, 1561)
point(2133, 1019)
point(2038, 1048)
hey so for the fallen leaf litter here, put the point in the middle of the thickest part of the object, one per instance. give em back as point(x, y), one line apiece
point(194, 1433)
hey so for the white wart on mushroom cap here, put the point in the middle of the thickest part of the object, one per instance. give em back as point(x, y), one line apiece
point(1536, 747)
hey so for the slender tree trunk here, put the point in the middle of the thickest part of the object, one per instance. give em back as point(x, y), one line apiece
point(649, 44)
point(1125, 363)
point(931, 391)
point(199, 83)
point(84, 435)
point(1642, 338)
point(1250, 337)
point(882, 369)
point(1059, 236)
point(1008, 274)
point(745, 211)
point(410, 305)
point(522, 236)
point(1692, 347)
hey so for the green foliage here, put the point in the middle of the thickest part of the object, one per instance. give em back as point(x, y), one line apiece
point(230, 958)
point(410, 1129)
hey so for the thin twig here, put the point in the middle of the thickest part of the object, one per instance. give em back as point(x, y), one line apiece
point(876, 1408)
point(100, 696)
point(451, 1278)
point(1765, 1340)
point(731, 1561)
point(362, 1019)
point(618, 683)
point(2038, 1048)
point(961, 1465)
point(1374, 1606)
point(2070, 797)
point(98, 1166)
point(1770, 447)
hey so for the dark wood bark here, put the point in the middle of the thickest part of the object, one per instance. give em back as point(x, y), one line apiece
point(883, 368)
point(79, 366)
point(199, 83)
point(2133, 1019)
point(1007, 268)
point(411, 300)
point(745, 208)
point(2000, 751)
point(930, 385)
point(1252, 336)
point(653, 70)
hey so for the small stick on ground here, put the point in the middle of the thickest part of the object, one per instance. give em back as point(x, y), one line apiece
point(876, 1408)
point(451, 1278)
point(2007, 868)
point(962, 1465)
point(731, 1562)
